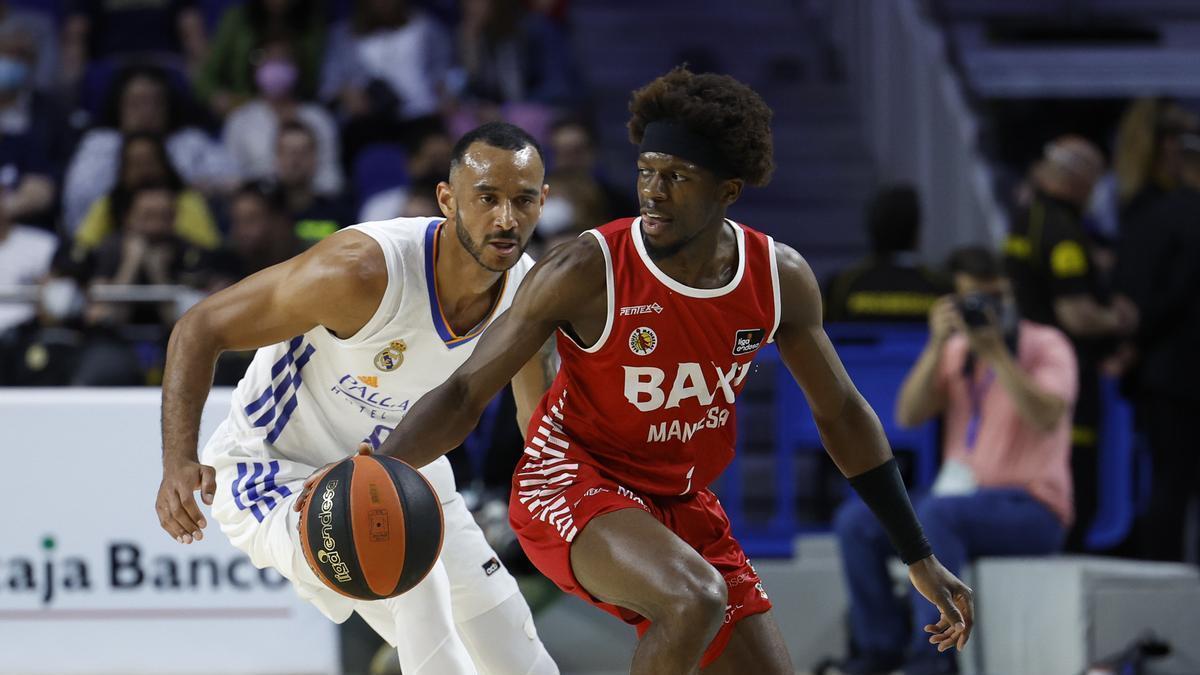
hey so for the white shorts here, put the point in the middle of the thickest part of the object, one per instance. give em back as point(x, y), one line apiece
point(254, 503)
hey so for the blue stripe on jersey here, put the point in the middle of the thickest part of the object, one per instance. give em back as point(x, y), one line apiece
point(284, 361)
point(278, 393)
point(285, 416)
point(255, 496)
point(435, 307)
point(449, 337)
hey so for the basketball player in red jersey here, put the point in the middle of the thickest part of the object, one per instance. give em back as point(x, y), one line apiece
point(657, 321)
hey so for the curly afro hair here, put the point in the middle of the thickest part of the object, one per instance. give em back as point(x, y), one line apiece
point(728, 113)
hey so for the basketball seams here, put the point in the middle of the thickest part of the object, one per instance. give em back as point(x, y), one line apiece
point(417, 562)
point(406, 496)
point(396, 511)
point(356, 586)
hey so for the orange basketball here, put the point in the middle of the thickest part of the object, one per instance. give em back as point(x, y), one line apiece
point(371, 527)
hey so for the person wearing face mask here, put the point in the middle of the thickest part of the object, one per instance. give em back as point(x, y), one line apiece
point(56, 347)
point(41, 27)
point(251, 129)
point(1005, 387)
point(34, 138)
point(224, 82)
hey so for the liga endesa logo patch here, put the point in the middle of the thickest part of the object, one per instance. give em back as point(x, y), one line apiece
point(747, 340)
point(328, 554)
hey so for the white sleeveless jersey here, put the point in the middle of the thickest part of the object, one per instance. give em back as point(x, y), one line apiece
point(315, 397)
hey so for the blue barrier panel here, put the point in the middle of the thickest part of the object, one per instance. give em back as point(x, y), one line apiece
point(877, 357)
point(1115, 493)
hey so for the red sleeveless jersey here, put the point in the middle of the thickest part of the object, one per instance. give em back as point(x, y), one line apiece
point(651, 403)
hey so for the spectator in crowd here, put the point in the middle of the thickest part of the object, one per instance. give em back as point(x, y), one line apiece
point(415, 200)
point(428, 163)
point(573, 150)
point(316, 215)
point(1146, 166)
point(1147, 158)
point(889, 285)
point(384, 74)
point(250, 130)
point(55, 347)
point(1049, 258)
point(511, 56)
point(142, 100)
point(103, 29)
point(25, 254)
point(1158, 266)
point(146, 251)
point(1004, 387)
point(33, 131)
point(143, 162)
point(260, 235)
point(260, 232)
point(576, 203)
point(421, 200)
point(39, 27)
point(227, 77)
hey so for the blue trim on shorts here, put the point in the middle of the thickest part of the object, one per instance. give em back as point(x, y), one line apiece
point(255, 495)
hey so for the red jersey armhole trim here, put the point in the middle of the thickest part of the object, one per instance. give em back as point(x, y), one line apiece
point(609, 291)
point(774, 285)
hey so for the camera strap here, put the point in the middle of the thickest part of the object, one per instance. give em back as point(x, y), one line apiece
point(977, 391)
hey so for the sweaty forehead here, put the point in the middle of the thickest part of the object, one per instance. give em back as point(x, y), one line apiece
point(661, 160)
point(489, 164)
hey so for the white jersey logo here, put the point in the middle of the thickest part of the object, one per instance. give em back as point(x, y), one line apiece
point(643, 385)
point(641, 309)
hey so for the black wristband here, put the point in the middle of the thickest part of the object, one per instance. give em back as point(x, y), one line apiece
point(883, 491)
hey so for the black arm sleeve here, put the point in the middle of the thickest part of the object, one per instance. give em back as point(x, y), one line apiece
point(883, 492)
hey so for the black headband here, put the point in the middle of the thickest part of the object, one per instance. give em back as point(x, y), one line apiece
point(672, 139)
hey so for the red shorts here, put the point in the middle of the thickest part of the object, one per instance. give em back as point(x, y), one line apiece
point(553, 499)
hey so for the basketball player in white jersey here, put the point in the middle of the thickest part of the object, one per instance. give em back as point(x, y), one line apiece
point(350, 334)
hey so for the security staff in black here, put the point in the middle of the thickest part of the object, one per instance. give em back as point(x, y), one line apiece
point(1047, 255)
point(1158, 266)
point(888, 286)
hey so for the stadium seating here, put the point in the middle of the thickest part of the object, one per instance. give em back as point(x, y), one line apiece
point(1118, 472)
point(379, 167)
point(877, 358)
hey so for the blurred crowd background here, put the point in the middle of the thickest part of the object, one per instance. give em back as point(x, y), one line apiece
point(190, 144)
point(153, 152)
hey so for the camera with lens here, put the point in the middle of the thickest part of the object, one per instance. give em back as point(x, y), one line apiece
point(974, 309)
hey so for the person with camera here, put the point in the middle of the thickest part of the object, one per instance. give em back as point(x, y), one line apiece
point(1004, 387)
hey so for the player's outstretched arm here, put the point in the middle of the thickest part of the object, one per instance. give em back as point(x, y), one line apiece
point(337, 284)
point(531, 382)
point(855, 440)
point(566, 280)
point(849, 428)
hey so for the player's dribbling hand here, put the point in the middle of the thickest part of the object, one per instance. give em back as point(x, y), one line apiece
point(954, 600)
point(176, 504)
point(363, 449)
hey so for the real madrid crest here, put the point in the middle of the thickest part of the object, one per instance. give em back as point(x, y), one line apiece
point(642, 341)
point(391, 356)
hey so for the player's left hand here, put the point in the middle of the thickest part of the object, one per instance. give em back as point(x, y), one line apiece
point(954, 600)
point(363, 449)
